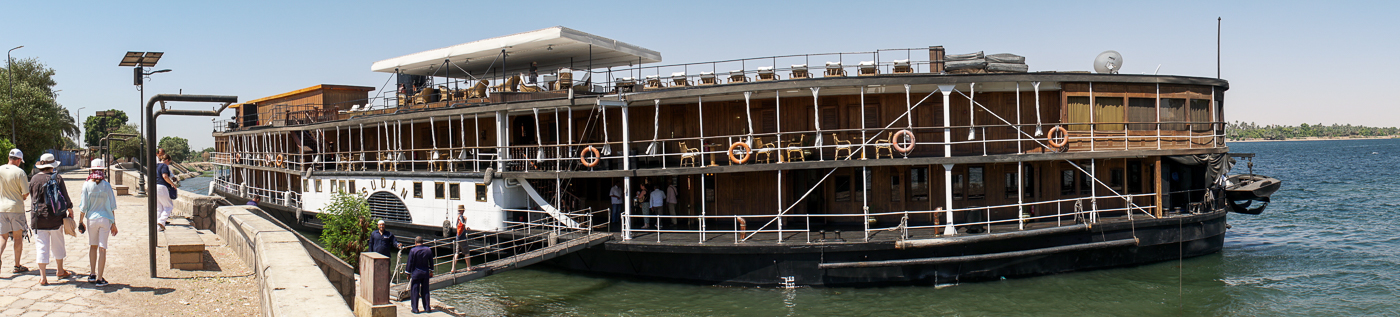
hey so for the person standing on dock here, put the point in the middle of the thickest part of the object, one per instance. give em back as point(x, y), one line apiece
point(98, 208)
point(420, 270)
point(383, 241)
point(615, 220)
point(14, 189)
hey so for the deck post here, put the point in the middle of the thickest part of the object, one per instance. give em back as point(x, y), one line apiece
point(1094, 190)
point(1020, 182)
point(627, 207)
point(778, 123)
point(1092, 127)
point(863, 139)
point(865, 204)
point(947, 91)
point(1158, 104)
point(502, 141)
point(817, 124)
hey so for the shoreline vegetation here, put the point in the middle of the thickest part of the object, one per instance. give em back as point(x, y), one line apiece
point(1250, 132)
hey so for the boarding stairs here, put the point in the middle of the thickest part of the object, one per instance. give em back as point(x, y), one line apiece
point(519, 244)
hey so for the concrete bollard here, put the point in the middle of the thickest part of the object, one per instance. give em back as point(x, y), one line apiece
point(372, 295)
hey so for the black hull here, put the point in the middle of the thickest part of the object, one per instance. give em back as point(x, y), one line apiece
point(745, 265)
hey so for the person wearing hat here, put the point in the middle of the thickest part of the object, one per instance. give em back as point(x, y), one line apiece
point(14, 189)
point(48, 230)
point(383, 241)
point(98, 207)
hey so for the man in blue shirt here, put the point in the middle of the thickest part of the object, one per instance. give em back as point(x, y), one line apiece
point(420, 270)
point(383, 241)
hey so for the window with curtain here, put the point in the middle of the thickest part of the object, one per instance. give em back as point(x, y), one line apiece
point(1142, 110)
point(918, 183)
point(1173, 110)
point(1109, 109)
point(976, 183)
point(1077, 110)
point(1200, 115)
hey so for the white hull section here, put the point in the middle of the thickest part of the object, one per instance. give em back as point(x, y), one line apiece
point(425, 201)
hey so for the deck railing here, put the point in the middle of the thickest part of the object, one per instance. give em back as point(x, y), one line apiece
point(538, 230)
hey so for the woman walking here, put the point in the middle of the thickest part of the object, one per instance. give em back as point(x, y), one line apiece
point(47, 217)
point(164, 192)
point(98, 208)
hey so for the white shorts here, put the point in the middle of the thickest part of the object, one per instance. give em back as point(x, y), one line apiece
point(98, 231)
point(50, 243)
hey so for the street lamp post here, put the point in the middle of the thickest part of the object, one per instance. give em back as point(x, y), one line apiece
point(79, 122)
point(10, 70)
point(139, 61)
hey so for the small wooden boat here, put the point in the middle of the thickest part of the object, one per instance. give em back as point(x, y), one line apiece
point(1245, 190)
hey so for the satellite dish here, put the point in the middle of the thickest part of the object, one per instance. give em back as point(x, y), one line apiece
point(1108, 62)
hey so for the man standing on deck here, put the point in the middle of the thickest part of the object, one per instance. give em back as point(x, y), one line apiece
point(14, 189)
point(420, 270)
point(383, 241)
point(616, 213)
point(671, 199)
point(658, 200)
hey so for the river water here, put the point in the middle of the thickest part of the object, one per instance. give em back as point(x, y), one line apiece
point(1327, 246)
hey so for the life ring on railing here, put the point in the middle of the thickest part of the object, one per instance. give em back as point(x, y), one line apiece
point(1063, 137)
point(747, 153)
point(897, 146)
point(280, 161)
point(583, 156)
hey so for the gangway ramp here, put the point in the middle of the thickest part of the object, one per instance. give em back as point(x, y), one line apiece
point(441, 281)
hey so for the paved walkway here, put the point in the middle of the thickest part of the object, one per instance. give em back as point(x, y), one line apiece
point(225, 288)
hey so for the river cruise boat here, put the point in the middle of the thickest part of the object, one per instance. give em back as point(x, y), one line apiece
point(892, 166)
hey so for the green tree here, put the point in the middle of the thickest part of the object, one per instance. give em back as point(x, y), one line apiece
point(39, 122)
point(130, 148)
point(347, 226)
point(96, 127)
point(176, 147)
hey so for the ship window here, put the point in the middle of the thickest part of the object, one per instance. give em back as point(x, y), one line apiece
point(843, 188)
point(1115, 180)
point(1077, 111)
point(895, 190)
point(481, 192)
point(1067, 182)
point(976, 183)
point(417, 189)
point(958, 186)
point(1134, 177)
point(1010, 185)
point(1109, 109)
point(305, 184)
point(1200, 115)
point(1173, 110)
point(1084, 183)
point(340, 186)
point(317, 184)
point(918, 184)
point(352, 187)
point(439, 190)
point(1142, 110)
point(454, 191)
point(770, 121)
point(1030, 181)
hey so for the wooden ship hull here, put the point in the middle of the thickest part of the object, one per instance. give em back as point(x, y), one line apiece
point(894, 170)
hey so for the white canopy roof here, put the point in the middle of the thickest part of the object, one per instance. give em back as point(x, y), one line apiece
point(552, 48)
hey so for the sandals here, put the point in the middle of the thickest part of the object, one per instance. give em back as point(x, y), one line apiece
point(64, 275)
point(20, 269)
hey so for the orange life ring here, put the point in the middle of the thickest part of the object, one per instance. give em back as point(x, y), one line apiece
point(895, 139)
point(280, 160)
point(583, 156)
point(747, 153)
point(1064, 137)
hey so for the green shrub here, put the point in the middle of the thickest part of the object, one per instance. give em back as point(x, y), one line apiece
point(347, 226)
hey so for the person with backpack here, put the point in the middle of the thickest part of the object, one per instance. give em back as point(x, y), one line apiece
point(98, 207)
point(50, 205)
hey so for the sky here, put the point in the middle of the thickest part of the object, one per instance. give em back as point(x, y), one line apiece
point(1287, 62)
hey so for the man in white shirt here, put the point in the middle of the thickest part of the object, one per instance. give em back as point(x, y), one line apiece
point(14, 189)
point(658, 200)
point(615, 220)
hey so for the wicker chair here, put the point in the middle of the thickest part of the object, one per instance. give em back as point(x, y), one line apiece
point(795, 148)
point(766, 150)
point(884, 144)
point(841, 145)
point(478, 90)
point(509, 85)
point(688, 153)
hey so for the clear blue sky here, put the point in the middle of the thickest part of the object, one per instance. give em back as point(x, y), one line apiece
point(1287, 62)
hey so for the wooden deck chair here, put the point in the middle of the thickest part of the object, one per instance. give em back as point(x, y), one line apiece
point(653, 82)
point(478, 90)
point(867, 68)
point(799, 71)
point(688, 153)
point(841, 145)
point(566, 79)
point(765, 73)
point(795, 148)
point(509, 85)
point(834, 69)
point(737, 76)
point(444, 94)
point(530, 88)
point(385, 161)
point(678, 79)
point(902, 66)
point(707, 78)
